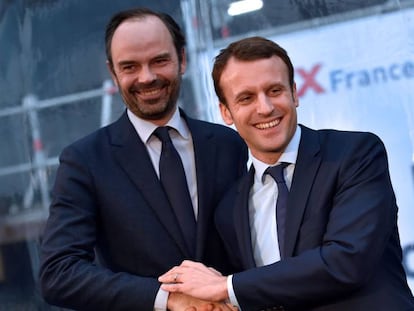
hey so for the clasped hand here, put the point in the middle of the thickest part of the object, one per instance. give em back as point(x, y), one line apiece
point(196, 280)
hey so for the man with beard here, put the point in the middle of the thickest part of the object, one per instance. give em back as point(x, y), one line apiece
point(112, 228)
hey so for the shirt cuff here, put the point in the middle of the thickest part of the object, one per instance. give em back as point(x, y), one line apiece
point(230, 292)
point(161, 300)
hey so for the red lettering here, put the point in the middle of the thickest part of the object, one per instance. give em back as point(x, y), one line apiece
point(309, 80)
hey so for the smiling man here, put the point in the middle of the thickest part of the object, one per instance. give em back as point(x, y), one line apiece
point(313, 226)
point(114, 226)
point(147, 68)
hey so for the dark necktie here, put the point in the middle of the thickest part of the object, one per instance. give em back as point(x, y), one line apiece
point(281, 204)
point(174, 182)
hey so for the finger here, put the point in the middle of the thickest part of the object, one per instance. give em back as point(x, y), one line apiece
point(171, 271)
point(171, 276)
point(170, 287)
point(221, 307)
point(231, 307)
point(165, 278)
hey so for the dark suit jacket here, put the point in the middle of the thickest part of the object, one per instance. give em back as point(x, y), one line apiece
point(108, 201)
point(342, 244)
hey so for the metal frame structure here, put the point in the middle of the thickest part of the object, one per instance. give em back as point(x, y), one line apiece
point(28, 220)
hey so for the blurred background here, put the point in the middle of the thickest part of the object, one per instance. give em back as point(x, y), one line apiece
point(354, 64)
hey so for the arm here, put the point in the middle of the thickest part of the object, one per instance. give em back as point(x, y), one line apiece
point(69, 275)
point(356, 217)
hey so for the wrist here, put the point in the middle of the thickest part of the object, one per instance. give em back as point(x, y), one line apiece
point(223, 291)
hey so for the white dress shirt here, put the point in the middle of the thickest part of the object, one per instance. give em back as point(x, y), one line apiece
point(262, 201)
point(183, 142)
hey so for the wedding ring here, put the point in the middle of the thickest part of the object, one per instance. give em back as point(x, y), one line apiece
point(175, 278)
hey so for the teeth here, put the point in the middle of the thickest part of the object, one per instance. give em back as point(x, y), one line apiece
point(263, 126)
point(150, 92)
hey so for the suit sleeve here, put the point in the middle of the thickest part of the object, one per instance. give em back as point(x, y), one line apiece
point(69, 276)
point(352, 204)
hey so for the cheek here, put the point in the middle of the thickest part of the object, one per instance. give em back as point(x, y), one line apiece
point(124, 82)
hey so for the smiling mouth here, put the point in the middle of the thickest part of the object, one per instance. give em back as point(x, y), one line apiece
point(264, 126)
point(150, 92)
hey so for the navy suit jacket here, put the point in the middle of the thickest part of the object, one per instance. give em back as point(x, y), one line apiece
point(342, 249)
point(111, 231)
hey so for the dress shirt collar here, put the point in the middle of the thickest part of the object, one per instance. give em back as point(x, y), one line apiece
point(145, 128)
point(289, 155)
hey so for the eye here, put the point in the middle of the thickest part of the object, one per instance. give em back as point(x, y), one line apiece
point(128, 68)
point(161, 61)
point(275, 91)
point(244, 99)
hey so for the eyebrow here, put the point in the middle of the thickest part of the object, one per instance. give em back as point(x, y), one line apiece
point(163, 55)
point(128, 62)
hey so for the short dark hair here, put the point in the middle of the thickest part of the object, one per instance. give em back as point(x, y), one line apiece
point(248, 49)
point(172, 26)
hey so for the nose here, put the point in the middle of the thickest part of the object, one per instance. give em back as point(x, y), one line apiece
point(146, 75)
point(264, 105)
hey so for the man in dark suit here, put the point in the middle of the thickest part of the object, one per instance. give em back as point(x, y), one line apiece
point(111, 230)
point(338, 247)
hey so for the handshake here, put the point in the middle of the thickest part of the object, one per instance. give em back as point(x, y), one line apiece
point(195, 287)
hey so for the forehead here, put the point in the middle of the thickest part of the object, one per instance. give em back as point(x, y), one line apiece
point(144, 35)
point(240, 74)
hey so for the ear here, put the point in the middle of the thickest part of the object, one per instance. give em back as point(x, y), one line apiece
point(295, 95)
point(183, 64)
point(226, 114)
point(112, 72)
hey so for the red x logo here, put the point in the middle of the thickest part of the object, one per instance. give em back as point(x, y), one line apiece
point(309, 80)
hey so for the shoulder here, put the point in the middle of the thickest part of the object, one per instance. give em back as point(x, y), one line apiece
point(88, 142)
point(351, 136)
point(342, 140)
point(97, 143)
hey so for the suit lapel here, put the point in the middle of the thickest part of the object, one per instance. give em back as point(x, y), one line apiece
point(307, 164)
point(205, 153)
point(241, 217)
point(131, 154)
